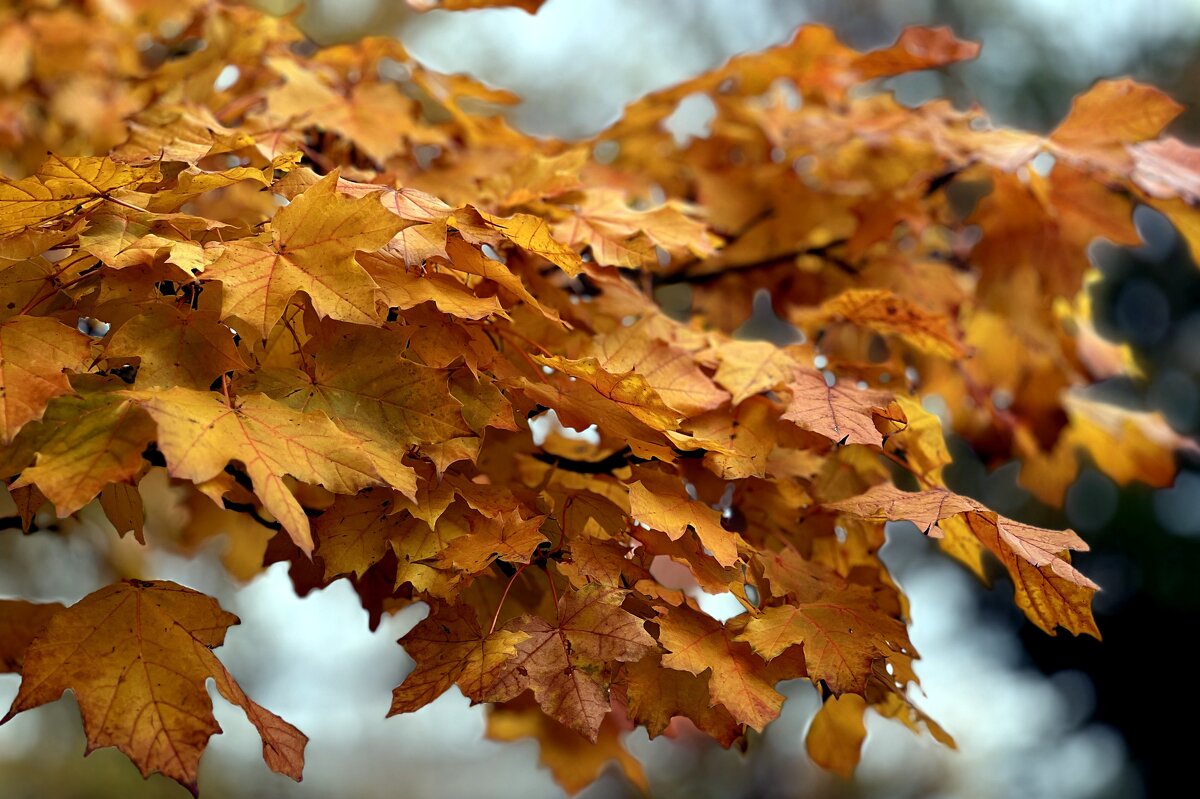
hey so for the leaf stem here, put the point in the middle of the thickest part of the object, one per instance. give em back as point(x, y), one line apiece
point(903, 464)
point(553, 592)
point(504, 596)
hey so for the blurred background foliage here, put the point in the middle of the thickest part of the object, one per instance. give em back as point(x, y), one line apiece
point(1035, 716)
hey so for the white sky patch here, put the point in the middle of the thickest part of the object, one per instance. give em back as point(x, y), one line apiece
point(226, 78)
point(542, 426)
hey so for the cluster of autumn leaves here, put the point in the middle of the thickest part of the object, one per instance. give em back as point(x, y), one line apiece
point(329, 306)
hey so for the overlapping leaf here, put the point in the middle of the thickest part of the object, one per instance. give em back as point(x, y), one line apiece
point(532, 383)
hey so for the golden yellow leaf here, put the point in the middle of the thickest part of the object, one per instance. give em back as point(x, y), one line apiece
point(199, 434)
point(740, 680)
point(84, 443)
point(508, 537)
point(311, 249)
point(63, 186)
point(34, 354)
point(1111, 114)
point(574, 761)
point(449, 648)
point(834, 740)
point(20, 623)
point(533, 234)
point(657, 501)
point(175, 347)
point(122, 505)
point(890, 314)
point(137, 655)
point(752, 367)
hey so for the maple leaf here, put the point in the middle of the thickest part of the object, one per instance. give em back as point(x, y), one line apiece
point(629, 390)
point(656, 695)
point(122, 506)
point(20, 623)
point(450, 648)
point(1111, 114)
point(842, 636)
point(621, 236)
point(62, 186)
point(176, 348)
point(658, 502)
point(573, 760)
point(671, 372)
point(840, 412)
point(86, 442)
point(136, 655)
point(199, 435)
point(555, 660)
point(835, 738)
point(740, 680)
point(533, 234)
point(468, 259)
point(841, 626)
point(889, 313)
point(739, 445)
point(923, 508)
point(311, 249)
point(508, 537)
point(356, 532)
point(34, 354)
point(1049, 589)
point(403, 289)
point(916, 48)
point(376, 116)
point(752, 367)
point(121, 242)
point(388, 408)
